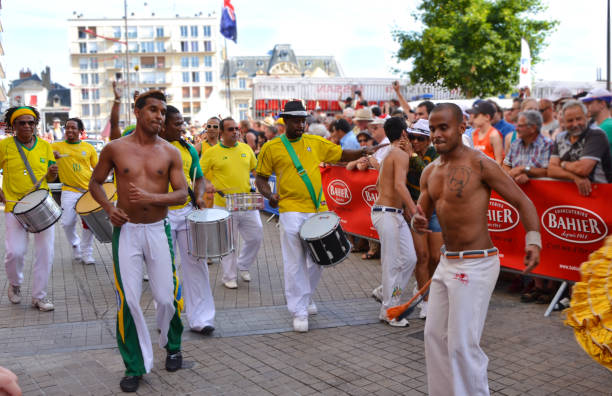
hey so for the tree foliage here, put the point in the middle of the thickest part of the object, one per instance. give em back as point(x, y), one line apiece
point(474, 45)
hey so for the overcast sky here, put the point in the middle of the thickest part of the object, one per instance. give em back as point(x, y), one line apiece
point(356, 32)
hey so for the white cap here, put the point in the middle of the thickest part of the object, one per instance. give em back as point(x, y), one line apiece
point(598, 93)
point(560, 93)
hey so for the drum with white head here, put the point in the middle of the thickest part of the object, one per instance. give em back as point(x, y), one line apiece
point(37, 211)
point(324, 239)
point(210, 233)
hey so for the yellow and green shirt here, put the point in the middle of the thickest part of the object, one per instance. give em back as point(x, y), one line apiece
point(191, 167)
point(311, 151)
point(15, 180)
point(230, 167)
point(75, 170)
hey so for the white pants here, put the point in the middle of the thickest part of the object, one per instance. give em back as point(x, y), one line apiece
point(70, 219)
point(151, 244)
point(458, 301)
point(248, 223)
point(302, 275)
point(199, 302)
point(397, 257)
point(16, 244)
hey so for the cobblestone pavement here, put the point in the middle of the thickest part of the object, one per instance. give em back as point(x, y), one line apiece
point(72, 351)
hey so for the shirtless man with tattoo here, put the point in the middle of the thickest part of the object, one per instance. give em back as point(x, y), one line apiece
point(458, 186)
point(144, 165)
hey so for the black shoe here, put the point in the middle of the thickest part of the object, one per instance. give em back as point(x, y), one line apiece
point(174, 361)
point(130, 383)
point(207, 330)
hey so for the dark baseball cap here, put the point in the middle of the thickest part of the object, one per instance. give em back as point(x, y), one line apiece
point(484, 107)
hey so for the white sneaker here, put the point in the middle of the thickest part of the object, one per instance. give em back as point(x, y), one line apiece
point(245, 275)
point(89, 261)
point(312, 308)
point(231, 284)
point(394, 322)
point(43, 304)
point(14, 294)
point(300, 324)
point(423, 313)
point(76, 253)
point(378, 294)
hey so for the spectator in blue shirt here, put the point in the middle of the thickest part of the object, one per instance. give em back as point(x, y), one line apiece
point(498, 121)
point(345, 136)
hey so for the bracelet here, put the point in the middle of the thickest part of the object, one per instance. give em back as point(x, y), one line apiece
point(533, 238)
point(412, 225)
point(117, 100)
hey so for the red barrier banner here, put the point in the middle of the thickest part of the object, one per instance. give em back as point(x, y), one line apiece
point(572, 226)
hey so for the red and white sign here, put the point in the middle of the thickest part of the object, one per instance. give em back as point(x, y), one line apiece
point(339, 192)
point(574, 224)
point(502, 216)
point(369, 194)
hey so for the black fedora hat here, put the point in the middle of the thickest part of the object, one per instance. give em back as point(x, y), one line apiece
point(294, 108)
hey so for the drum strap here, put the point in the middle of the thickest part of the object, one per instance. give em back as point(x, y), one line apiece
point(25, 162)
point(301, 172)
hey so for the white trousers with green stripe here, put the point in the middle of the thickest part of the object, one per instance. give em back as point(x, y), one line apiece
point(151, 244)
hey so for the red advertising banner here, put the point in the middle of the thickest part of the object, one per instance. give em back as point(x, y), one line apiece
point(572, 226)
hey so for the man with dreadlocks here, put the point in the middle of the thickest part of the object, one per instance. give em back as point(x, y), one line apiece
point(16, 183)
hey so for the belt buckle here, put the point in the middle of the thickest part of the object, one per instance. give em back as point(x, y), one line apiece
point(301, 172)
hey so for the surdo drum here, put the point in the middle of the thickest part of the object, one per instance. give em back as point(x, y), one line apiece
point(210, 233)
point(37, 211)
point(324, 239)
point(94, 216)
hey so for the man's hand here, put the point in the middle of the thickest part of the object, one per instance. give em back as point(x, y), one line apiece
point(584, 185)
point(116, 91)
point(210, 188)
point(532, 258)
point(200, 203)
point(419, 222)
point(405, 145)
point(273, 200)
point(396, 86)
point(516, 171)
point(117, 216)
point(52, 172)
point(138, 195)
point(521, 179)
point(8, 383)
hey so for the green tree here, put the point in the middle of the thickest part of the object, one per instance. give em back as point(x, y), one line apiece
point(474, 45)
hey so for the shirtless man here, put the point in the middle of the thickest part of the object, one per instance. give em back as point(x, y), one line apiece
point(394, 203)
point(144, 164)
point(458, 186)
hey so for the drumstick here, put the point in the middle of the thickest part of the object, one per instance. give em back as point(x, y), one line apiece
point(394, 312)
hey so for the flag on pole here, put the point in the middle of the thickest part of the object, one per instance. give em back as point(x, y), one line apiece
point(228, 21)
point(525, 71)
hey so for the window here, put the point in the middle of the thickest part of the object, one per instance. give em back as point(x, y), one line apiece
point(259, 63)
point(161, 62)
point(93, 32)
point(186, 92)
point(117, 48)
point(206, 31)
point(195, 76)
point(160, 78)
point(186, 77)
point(159, 31)
point(146, 31)
point(82, 48)
point(147, 46)
point(119, 63)
point(208, 76)
point(117, 31)
point(194, 46)
point(183, 31)
point(132, 32)
point(147, 62)
point(81, 30)
point(87, 124)
point(184, 46)
point(95, 109)
point(184, 61)
point(85, 110)
point(148, 77)
point(208, 61)
point(194, 31)
point(240, 64)
point(195, 92)
point(83, 63)
point(186, 107)
point(242, 83)
point(207, 46)
point(95, 79)
point(98, 124)
point(243, 109)
point(134, 61)
point(160, 47)
point(133, 46)
point(84, 94)
point(93, 63)
point(84, 79)
point(195, 107)
point(93, 48)
point(195, 61)
point(308, 63)
point(95, 94)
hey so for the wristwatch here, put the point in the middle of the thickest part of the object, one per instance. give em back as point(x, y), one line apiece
point(527, 169)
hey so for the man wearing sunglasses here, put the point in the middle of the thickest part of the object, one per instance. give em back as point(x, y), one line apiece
point(211, 136)
point(547, 110)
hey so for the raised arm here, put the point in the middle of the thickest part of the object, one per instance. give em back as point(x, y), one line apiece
point(405, 105)
point(115, 131)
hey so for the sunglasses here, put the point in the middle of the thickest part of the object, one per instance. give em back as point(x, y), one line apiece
point(212, 126)
point(420, 138)
point(232, 129)
point(362, 140)
point(544, 109)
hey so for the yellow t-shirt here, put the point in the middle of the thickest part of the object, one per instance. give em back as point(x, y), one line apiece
point(205, 146)
point(76, 169)
point(311, 151)
point(230, 167)
point(15, 179)
point(191, 167)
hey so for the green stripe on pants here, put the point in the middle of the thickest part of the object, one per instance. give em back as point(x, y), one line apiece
point(176, 325)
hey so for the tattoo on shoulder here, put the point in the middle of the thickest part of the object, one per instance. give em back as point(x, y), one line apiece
point(459, 178)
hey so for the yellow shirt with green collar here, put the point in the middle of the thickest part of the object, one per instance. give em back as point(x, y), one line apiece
point(191, 167)
point(75, 170)
point(230, 167)
point(311, 151)
point(205, 146)
point(15, 179)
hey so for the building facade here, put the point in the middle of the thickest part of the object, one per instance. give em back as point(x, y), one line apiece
point(280, 62)
point(176, 55)
point(3, 97)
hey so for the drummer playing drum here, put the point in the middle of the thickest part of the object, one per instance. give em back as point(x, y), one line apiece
point(16, 183)
point(296, 202)
point(75, 160)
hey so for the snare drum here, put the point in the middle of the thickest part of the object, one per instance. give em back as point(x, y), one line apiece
point(324, 239)
point(94, 216)
point(210, 233)
point(244, 201)
point(37, 211)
